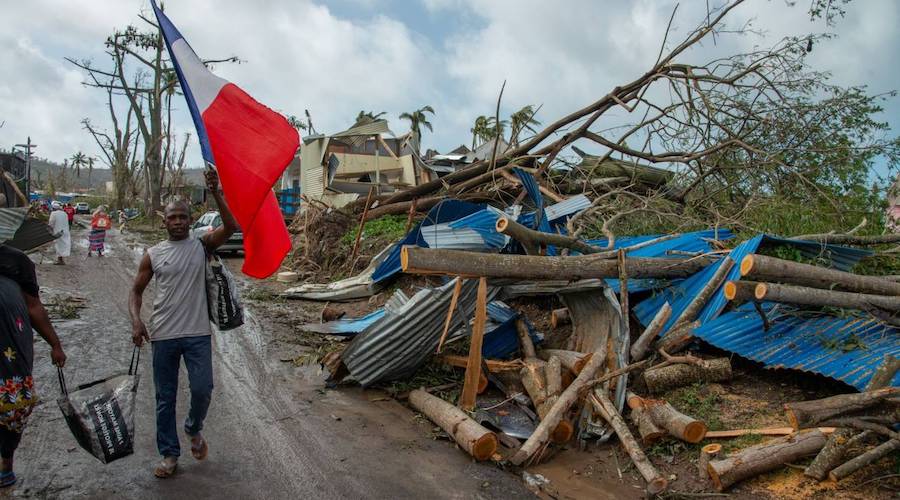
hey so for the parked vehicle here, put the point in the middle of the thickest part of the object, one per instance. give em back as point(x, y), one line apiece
point(212, 220)
point(82, 207)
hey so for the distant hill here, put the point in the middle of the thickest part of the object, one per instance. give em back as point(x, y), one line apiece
point(97, 178)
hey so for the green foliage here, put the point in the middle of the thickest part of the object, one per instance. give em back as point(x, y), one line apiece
point(878, 265)
point(389, 227)
point(696, 401)
point(847, 344)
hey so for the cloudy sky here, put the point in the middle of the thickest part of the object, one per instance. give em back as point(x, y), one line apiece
point(337, 57)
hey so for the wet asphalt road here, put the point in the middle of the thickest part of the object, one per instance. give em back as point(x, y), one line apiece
point(274, 432)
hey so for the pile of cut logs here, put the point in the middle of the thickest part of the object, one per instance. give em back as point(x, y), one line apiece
point(561, 384)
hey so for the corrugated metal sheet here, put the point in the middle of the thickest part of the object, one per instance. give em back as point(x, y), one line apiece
point(808, 344)
point(473, 232)
point(359, 134)
point(501, 338)
point(534, 192)
point(445, 211)
point(10, 220)
point(356, 287)
point(397, 344)
point(566, 207)
point(31, 234)
point(345, 327)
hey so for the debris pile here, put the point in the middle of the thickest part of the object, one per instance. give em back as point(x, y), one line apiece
point(632, 305)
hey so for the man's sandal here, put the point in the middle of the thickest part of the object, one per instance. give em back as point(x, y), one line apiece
point(199, 450)
point(166, 467)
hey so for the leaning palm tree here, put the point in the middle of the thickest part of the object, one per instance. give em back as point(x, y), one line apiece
point(79, 159)
point(418, 119)
point(479, 131)
point(495, 128)
point(520, 121)
point(365, 117)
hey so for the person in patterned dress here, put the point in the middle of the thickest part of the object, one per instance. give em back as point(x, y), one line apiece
point(20, 310)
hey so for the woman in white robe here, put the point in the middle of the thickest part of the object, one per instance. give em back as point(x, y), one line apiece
point(59, 224)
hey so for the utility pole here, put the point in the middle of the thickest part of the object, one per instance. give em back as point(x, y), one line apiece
point(28, 146)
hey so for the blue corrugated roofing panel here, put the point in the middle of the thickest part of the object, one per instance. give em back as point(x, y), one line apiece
point(445, 211)
point(345, 327)
point(808, 344)
point(502, 342)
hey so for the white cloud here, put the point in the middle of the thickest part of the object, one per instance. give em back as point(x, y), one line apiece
point(302, 55)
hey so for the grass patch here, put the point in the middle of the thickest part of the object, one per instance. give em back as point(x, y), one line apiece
point(697, 402)
point(389, 227)
point(261, 294)
point(430, 375)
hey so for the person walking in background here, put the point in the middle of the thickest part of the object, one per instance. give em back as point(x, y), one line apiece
point(70, 213)
point(179, 326)
point(123, 220)
point(20, 310)
point(100, 223)
point(59, 224)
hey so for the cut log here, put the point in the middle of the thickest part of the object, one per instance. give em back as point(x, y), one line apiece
point(803, 414)
point(473, 365)
point(756, 267)
point(876, 453)
point(764, 457)
point(677, 424)
point(559, 317)
point(807, 296)
point(543, 385)
point(494, 365)
point(668, 377)
point(648, 430)
point(832, 454)
point(740, 291)
point(571, 360)
point(417, 260)
point(656, 483)
point(838, 444)
point(526, 346)
point(696, 305)
point(639, 348)
point(557, 412)
point(707, 453)
point(533, 240)
point(677, 339)
point(477, 441)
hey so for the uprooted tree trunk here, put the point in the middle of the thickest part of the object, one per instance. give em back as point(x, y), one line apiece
point(764, 457)
point(477, 441)
point(677, 375)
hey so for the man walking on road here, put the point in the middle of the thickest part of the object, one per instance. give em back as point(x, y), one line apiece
point(180, 326)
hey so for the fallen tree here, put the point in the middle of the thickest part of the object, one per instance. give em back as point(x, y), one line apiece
point(805, 414)
point(417, 260)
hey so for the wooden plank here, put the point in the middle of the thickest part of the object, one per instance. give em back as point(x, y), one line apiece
point(456, 289)
point(768, 431)
point(473, 370)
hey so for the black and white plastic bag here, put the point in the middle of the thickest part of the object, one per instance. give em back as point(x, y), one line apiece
point(223, 300)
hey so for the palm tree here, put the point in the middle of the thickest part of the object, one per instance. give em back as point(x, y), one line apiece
point(78, 160)
point(418, 119)
point(365, 117)
point(495, 128)
point(90, 169)
point(520, 121)
point(479, 131)
point(296, 123)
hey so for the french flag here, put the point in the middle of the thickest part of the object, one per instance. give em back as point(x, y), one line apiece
point(249, 144)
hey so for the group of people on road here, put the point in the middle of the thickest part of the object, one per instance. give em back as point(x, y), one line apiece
point(179, 329)
point(61, 220)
